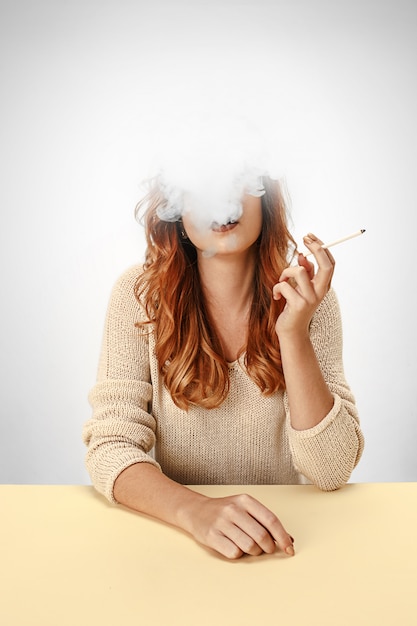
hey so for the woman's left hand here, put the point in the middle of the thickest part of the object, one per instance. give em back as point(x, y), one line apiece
point(303, 289)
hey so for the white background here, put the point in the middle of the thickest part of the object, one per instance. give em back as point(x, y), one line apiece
point(333, 81)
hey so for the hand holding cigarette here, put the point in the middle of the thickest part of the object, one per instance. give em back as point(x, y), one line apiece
point(337, 241)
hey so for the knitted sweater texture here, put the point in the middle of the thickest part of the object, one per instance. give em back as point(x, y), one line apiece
point(247, 440)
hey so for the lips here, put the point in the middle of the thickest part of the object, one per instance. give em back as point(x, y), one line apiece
point(224, 228)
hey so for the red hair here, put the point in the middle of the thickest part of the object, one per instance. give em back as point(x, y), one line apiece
point(187, 347)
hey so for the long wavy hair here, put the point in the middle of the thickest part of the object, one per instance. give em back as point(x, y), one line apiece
point(188, 349)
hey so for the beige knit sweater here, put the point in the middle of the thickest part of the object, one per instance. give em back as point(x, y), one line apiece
point(247, 440)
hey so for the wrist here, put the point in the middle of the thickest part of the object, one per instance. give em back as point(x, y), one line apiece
point(188, 510)
point(293, 336)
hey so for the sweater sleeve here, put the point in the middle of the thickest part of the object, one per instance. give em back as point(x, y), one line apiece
point(121, 430)
point(327, 453)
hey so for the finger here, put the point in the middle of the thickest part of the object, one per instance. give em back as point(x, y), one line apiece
point(325, 262)
point(246, 532)
point(333, 262)
point(271, 523)
point(315, 245)
point(300, 276)
point(292, 297)
point(227, 547)
point(309, 266)
point(248, 538)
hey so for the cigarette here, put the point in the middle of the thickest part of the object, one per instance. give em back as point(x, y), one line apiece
point(335, 243)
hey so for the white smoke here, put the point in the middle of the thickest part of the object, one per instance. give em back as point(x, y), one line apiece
point(205, 164)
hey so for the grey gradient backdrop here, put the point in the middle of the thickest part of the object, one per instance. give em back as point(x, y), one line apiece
point(334, 80)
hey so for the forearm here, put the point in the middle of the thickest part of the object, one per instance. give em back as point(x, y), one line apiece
point(231, 525)
point(309, 397)
point(144, 488)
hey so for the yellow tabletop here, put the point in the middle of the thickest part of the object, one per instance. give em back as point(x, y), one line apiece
point(68, 558)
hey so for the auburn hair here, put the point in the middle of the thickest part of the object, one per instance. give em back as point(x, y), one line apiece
point(187, 347)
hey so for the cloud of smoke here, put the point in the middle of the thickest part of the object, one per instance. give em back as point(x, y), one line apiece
point(205, 164)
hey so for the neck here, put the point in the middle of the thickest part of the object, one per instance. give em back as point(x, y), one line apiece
point(227, 281)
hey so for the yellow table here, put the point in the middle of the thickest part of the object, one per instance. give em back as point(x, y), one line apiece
point(68, 558)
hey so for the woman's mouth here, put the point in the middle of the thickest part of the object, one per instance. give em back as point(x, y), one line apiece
point(224, 228)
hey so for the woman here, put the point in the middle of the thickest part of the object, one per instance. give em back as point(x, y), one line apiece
point(229, 366)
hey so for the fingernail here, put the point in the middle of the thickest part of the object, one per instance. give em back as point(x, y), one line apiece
point(308, 239)
point(290, 551)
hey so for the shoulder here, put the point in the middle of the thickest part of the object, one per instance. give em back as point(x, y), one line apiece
point(127, 280)
point(123, 300)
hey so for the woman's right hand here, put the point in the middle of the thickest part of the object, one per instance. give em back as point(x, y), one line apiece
point(236, 525)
